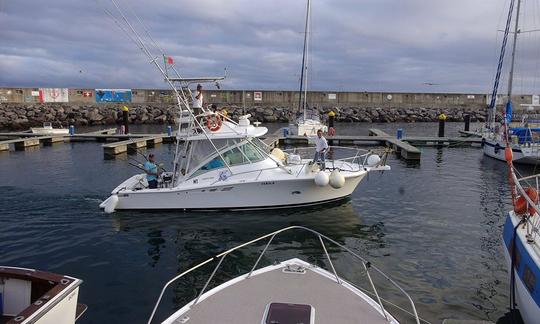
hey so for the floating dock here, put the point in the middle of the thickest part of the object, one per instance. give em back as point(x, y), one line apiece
point(130, 146)
point(406, 147)
point(402, 148)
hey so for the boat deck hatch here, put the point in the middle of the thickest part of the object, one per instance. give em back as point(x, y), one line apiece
point(283, 313)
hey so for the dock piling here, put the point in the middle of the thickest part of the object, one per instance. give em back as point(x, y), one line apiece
point(467, 119)
point(442, 119)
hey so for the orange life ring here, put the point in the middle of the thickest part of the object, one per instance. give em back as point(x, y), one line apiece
point(521, 204)
point(213, 123)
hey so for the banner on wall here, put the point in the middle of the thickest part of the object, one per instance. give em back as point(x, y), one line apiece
point(113, 95)
point(53, 95)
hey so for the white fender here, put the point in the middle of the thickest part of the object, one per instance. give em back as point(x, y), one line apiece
point(110, 204)
point(337, 180)
point(373, 160)
point(321, 179)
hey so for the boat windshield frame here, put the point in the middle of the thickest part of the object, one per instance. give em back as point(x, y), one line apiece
point(224, 155)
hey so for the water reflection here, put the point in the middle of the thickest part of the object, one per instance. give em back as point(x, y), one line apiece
point(194, 237)
point(494, 202)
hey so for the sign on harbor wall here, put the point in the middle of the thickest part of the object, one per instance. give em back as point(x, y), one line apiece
point(257, 96)
point(113, 95)
point(53, 95)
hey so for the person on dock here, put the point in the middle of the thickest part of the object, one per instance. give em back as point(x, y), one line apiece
point(321, 149)
point(152, 172)
point(198, 100)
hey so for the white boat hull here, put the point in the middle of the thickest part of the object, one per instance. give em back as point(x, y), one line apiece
point(528, 307)
point(49, 131)
point(237, 195)
point(521, 154)
point(309, 127)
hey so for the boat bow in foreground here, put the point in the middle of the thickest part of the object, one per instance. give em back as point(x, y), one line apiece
point(289, 290)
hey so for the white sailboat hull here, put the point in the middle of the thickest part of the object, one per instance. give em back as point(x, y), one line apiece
point(307, 127)
point(528, 308)
point(521, 154)
point(237, 195)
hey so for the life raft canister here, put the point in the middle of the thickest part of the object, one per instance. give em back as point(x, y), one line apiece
point(521, 204)
point(213, 123)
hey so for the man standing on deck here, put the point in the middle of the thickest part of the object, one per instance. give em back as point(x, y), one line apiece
point(321, 148)
point(151, 169)
point(198, 100)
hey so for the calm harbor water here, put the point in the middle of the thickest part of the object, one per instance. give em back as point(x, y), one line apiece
point(434, 227)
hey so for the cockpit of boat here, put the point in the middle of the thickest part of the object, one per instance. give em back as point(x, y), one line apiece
point(232, 152)
point(28, 293)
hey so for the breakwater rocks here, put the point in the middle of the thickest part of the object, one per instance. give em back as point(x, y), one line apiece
point(17, 116)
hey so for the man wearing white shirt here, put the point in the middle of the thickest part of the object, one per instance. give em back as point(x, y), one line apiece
point(198, 100)
point(321, 148)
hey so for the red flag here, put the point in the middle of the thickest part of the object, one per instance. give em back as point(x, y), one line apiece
point(170, 60)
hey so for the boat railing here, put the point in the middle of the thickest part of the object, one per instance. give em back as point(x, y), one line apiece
point(366, 265)
point(357, 156)
point(532, 203)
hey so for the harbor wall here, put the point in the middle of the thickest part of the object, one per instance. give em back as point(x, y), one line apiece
point(21, 108)
point(323, 99)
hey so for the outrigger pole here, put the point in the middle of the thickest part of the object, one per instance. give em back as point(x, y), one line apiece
point(180, 98)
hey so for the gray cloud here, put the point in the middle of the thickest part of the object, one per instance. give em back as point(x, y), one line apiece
point(369, 45)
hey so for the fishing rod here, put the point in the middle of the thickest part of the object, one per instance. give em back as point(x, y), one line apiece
point(138, 151)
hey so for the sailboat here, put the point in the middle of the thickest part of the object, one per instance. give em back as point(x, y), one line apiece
point(521, 243)
point(223, 164)
point(522, 226)
point(524, 140)
point(309, 122)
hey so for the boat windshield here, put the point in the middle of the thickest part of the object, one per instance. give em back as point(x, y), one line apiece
point(235, 153)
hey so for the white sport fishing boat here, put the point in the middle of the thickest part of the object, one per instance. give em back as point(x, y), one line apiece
point(309, 122)
point(524, 140)
point(231, 168)
point(291, 291)
point(32, 296)
point(223, 164)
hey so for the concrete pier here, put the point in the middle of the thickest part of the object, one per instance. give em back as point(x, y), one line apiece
point(130, 146)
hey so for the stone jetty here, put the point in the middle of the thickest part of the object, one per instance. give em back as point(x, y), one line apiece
point(18, 116)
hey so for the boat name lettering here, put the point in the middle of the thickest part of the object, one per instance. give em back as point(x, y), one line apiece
point(266, 183)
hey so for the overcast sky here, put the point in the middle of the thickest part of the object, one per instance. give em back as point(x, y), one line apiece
point(358, 45)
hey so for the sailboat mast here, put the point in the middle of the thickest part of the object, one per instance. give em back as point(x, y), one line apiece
point(303, 73)
point(516, 30)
